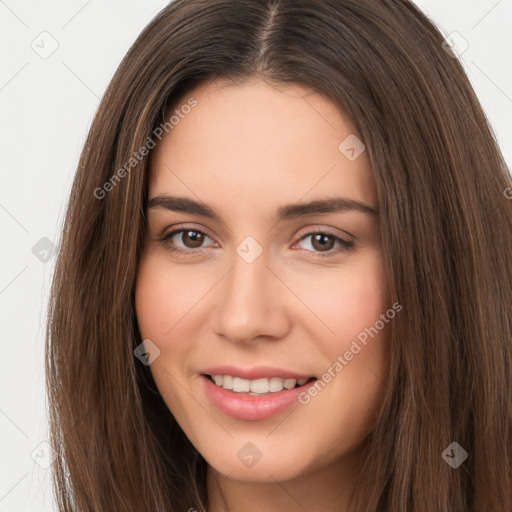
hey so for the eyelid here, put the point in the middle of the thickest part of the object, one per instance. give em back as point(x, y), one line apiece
point(166, 237)
point(300, 234)
point(337, 233)
point(344, 243)
point(167, 232)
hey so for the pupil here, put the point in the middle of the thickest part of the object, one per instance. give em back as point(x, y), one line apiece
point(322, 238)
point(196, 238)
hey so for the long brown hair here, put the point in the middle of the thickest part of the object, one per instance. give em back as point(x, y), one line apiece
point(446, 226)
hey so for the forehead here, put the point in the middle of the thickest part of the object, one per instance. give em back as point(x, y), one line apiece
point(259, 143)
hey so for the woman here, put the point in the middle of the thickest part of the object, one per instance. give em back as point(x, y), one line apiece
point(284, 274)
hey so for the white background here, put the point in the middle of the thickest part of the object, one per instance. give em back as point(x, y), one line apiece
point(46, 107)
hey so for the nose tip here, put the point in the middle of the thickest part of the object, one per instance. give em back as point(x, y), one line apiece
point(251, 301)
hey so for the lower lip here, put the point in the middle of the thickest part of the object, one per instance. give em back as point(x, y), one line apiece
point(252, 407)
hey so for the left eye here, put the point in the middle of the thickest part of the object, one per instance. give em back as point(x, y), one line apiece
point(325, 241)
point(193, 239)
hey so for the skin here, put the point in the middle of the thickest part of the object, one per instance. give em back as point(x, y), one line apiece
point(246, 150)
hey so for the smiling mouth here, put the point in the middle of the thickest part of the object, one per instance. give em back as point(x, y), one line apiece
point(257, 387)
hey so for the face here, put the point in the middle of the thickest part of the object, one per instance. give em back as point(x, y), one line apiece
point(233, 284)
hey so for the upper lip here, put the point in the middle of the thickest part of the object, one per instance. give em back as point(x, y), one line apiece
point(255, 372)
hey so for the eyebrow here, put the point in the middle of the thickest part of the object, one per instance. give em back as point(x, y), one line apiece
point(285, 212)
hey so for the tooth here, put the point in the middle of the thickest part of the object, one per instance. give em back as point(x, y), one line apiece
point(241, 385)
point(289, 383)
point(275, 384)
point(256, 386)
point(259, 386)
point(227, 382)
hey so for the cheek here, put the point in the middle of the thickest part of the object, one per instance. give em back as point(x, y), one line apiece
point(347, 300)
point(354, 304)
point(163, 296)
point(152, 307)
point(166, 303)
point(158, 308)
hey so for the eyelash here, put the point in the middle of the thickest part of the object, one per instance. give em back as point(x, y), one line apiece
point(345, 245)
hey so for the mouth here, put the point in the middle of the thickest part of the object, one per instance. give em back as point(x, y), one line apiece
point(254, 399)
point(257, 387)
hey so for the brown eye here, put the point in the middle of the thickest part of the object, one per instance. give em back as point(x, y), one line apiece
point(192, 239)
point(324, 244)
point(323, 241)
point(186, 241)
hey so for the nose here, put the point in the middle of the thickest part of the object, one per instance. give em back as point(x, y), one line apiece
point(252, 302)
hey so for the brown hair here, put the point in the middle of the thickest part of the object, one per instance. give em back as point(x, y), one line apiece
point(446, 228)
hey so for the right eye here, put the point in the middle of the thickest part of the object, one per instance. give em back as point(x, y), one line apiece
point(191, 240)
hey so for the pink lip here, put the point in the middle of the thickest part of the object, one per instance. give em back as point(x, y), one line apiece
point(256, 372)
point(251, 407)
